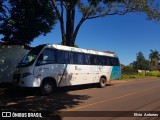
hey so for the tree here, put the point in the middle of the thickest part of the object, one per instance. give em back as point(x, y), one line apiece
point(141, 63)
point(128, 70)
point(21, 15)
point(25, 20)
point(92, 9)
point(3, 11)
point(154, 57)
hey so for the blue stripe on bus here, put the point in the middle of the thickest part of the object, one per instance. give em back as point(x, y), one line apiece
point(116, 73)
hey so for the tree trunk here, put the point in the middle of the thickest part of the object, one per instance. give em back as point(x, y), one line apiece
point(69, 37)
point(70, 14)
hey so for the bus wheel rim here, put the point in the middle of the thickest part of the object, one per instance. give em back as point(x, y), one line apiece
point(48, 88)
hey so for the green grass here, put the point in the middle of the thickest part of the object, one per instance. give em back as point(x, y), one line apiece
point(151, 74)
point(154, 73)
point(128, 77)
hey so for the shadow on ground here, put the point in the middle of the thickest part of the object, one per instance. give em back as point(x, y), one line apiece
point(20, 99)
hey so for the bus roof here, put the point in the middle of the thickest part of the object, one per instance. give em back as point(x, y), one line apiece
point(89, 51)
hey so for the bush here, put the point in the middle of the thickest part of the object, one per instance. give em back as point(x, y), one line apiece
point(128, 76)
point(154, 73)
point(124, 76)
point(129, 70)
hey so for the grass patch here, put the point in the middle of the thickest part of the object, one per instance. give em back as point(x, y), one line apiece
point(127, 77)
point(154, 73)
point(151, 74)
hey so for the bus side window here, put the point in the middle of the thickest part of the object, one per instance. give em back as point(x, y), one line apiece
point(114, 61)
point(87, 59)
point(107, 61)
point(76, 58)
point(81, 58)
point(46, 57)
point(73, 58)
point(93, 60)
point(117, 62)
point(62, 57)
point(101, 60)
point(111, 61)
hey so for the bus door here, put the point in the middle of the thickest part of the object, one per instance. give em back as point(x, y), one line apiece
point(45, 66)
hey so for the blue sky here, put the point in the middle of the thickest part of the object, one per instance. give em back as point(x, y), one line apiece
point(126, 35)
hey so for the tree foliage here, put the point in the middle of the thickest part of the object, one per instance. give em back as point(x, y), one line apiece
point(128, 70)
point(154, 57)
point(3, 11)
point(91, 9)
point(25, 20)
point(141, 62)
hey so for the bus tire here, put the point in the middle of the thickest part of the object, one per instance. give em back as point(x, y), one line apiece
point(102, 82)
point(48, 88)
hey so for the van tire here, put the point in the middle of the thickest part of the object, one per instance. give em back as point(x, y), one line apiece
point(102, 82)
point(48, 88)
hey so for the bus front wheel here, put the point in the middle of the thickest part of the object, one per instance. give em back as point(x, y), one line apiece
point(102, 82)
point(48, 88)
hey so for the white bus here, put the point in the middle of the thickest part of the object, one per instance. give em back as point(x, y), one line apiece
point(51, 66)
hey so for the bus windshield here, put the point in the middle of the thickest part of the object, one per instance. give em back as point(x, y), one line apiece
point(30, 57)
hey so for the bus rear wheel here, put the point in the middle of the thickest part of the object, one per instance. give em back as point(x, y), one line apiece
point(102, 82)
point(48, 88)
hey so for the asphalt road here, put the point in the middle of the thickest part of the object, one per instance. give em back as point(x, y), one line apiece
point(121, 100)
